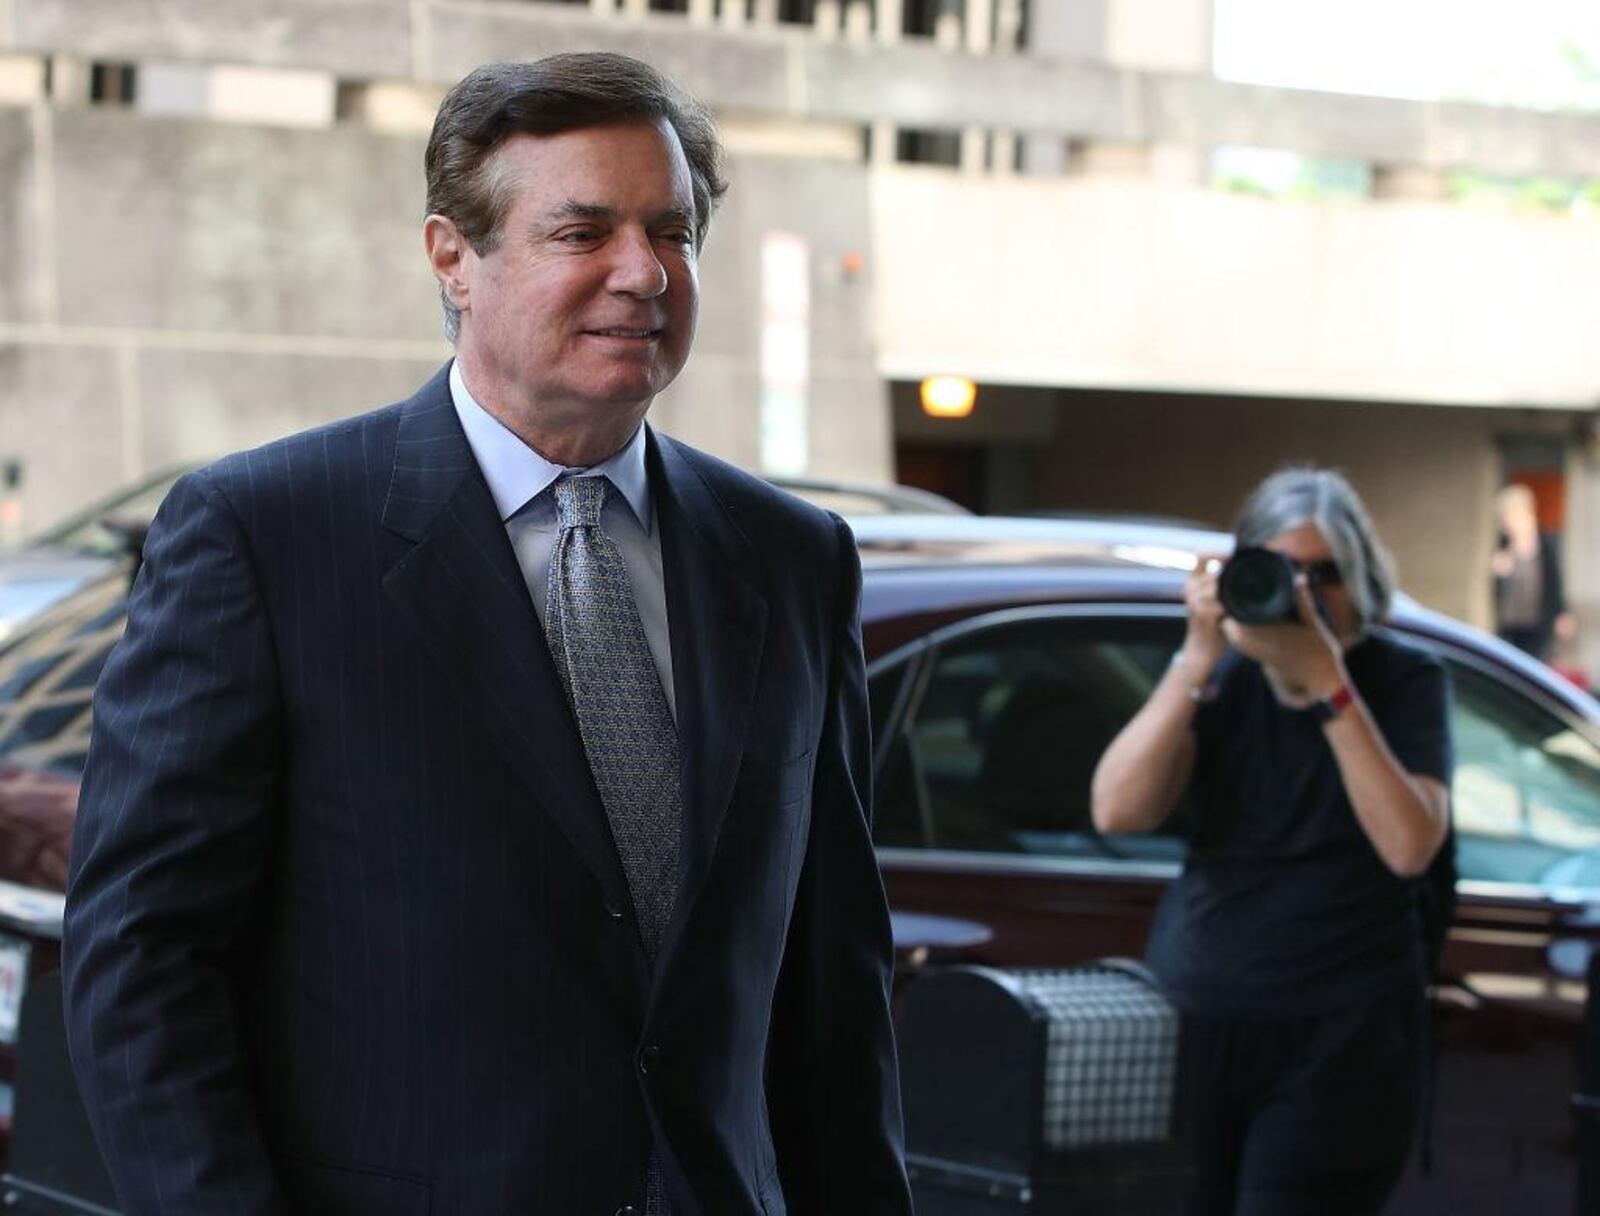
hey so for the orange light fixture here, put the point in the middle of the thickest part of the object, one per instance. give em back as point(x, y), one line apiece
point(948, 396)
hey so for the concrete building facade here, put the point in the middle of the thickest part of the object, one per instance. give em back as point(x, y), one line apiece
point(210, 233)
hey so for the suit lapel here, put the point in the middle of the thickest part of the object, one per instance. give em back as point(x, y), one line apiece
point(462, 589)
point(717, 623)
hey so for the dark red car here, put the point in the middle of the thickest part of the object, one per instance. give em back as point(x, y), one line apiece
point(1004, 655)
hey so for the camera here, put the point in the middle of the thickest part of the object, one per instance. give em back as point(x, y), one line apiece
point(1256, 587)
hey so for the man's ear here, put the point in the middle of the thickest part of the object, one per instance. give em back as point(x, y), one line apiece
point(449, 255)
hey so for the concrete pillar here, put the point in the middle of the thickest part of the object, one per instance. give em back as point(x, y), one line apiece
point(22, 78)
point(1008, 25)
point(70, 80)
point(766, 13)
point(885, 138)
point(825, 18)
point(605, 7)
point(974, 149)
point(1160, 35)
point(980, 26)
point(401, 107)
point(1582, 571)
point(947, 26)
point(1003, 148)
point(635, 8)
point(1407, 183)
point(891, 19)
point(858, 21)
point(701, 11)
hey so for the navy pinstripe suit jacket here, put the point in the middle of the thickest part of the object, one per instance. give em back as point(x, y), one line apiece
point(346, 931)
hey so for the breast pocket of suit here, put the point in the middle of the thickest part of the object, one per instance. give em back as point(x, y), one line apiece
point(344, 1190)
point(763, 781)
point(768, 820)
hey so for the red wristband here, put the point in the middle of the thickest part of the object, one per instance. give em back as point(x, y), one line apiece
point(1326, 709)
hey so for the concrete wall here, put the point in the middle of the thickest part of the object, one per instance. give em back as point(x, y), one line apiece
point(187, 289)
point(766, 68)
point(1427, 474)
point(716, 401)
point(1427, 483)
point(177, 287)
point(1139, 284)
point(184, 288)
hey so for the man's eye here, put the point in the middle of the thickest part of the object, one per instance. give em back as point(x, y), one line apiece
point(678, 236)
point(579, 236)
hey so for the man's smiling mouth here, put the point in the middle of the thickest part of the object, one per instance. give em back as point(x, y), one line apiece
point(621, 332)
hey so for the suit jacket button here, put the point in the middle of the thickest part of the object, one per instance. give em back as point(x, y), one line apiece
point(614, 912)
point(649, 1058)
point(627, 1209)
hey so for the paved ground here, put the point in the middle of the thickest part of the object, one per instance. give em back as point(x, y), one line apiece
point(1512, 1156)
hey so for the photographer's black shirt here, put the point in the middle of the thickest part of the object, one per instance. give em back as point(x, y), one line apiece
point(1284, 907)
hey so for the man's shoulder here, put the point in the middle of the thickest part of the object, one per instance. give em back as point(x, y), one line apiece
point(357, 446)
point(760, 507)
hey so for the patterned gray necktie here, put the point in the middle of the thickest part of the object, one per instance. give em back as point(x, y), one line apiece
point(628, 734)
point(615, 691)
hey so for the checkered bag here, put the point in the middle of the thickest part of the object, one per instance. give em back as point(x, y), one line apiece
point(1111, 1054)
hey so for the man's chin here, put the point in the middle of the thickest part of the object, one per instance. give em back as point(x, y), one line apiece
point(632, 385)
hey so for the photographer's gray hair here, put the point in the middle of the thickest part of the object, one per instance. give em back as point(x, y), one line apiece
point(1301, 495)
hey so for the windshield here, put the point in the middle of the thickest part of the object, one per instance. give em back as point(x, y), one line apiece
point(85, 533)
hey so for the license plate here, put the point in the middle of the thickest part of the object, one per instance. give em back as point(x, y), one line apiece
point(13, 980)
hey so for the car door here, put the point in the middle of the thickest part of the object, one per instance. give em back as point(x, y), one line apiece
point(987, 734)
point(1510, 996)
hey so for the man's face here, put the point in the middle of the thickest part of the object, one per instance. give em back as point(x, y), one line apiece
point(585, 309)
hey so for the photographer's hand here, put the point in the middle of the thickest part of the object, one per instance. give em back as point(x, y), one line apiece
point(1142, 774)
point(1304, 658)
point(1204, 641)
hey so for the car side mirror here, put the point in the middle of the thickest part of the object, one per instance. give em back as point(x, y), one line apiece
point(130, 532)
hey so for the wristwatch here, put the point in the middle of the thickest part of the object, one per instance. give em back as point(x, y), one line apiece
point(1326, 709)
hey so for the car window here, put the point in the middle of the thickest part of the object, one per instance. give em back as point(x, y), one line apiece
point(86, 533)
point(1000, 742)
point(48, 672)
point(897, 821)
point(1526, 789)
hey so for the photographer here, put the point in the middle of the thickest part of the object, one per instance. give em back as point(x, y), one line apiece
point(1316, 753)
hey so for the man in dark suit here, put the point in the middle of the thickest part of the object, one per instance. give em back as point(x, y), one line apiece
point(476, 816)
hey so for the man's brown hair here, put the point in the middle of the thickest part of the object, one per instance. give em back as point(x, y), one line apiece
point(544, 97)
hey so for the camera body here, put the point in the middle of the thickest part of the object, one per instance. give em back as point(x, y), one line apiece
point(1256, 587)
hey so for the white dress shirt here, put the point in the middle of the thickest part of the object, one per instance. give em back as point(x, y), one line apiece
point(520, 480)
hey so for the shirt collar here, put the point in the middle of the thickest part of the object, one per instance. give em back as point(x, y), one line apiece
point(517, 474)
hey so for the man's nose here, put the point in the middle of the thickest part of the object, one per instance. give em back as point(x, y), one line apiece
point(637, 271)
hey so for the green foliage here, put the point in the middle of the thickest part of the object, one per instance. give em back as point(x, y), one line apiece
point(1585, 69)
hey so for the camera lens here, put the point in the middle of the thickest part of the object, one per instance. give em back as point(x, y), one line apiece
point(1256, 587)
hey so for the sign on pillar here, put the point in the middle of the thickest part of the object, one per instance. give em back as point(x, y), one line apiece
point(785, 353)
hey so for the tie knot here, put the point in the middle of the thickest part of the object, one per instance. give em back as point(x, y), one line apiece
point(578, 501)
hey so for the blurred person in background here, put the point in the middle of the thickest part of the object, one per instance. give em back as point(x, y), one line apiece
point(475, 819)
point(1530, 606)
point(1316, 757)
